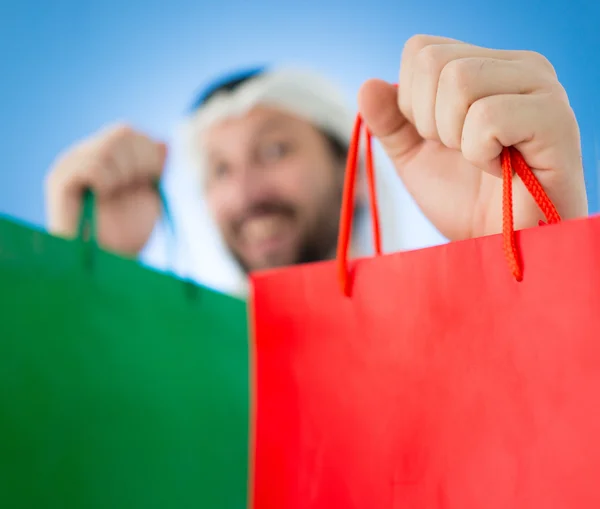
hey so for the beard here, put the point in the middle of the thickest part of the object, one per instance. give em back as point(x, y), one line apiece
point(318, 239)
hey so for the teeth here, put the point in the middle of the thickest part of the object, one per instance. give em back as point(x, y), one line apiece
point(263, 228)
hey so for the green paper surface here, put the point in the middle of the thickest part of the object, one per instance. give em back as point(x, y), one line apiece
point(120, 387)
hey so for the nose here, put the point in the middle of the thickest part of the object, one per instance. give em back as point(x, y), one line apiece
point(254, 185)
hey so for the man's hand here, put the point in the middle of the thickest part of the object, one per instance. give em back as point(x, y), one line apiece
point(121, 166)
point(444, 127)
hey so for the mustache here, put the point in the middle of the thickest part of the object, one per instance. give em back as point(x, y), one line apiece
point(264, 208)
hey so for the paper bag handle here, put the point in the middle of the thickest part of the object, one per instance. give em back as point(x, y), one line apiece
point(512, 162)
point(348, 198)
point(87, 229)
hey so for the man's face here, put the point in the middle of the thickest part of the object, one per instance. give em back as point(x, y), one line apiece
point(274, 187)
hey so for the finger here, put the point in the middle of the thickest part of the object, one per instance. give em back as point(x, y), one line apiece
point(464, 81)
point(64, 185)
point(428, 66)
point(411, 49)
point(115, 150)
point(107, 163)
point(378, 105)
point(423, 59)
point(149, 158)
point(544, 129)
point(126, 157)
point(94, 163)
point(81, 170)
point(539, 125)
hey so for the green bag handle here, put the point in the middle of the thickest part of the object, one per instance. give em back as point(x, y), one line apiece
point(87, 231)
point(88, 236)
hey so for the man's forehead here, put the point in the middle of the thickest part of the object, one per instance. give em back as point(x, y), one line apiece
point(258, 120)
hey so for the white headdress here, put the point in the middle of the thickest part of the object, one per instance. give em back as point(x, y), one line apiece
point(297, 91)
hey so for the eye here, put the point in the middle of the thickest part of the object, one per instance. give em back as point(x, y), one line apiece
point(274, 151)
point(220, 171)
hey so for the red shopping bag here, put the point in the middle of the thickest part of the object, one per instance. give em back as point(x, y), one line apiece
point(433, 379)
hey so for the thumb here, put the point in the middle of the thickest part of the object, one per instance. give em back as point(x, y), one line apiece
point(378, 105)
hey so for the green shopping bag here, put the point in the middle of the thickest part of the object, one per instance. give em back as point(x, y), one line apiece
point(120, 387)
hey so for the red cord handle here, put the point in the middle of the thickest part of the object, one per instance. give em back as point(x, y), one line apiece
point(347, 212)
point(512, 161)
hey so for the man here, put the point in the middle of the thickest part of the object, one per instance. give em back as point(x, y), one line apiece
point(271, 162)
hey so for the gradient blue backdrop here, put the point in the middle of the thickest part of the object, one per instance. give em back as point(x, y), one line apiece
point(68, 67)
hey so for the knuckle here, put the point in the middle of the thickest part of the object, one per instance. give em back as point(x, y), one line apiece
point(450, 139)
point(572, 125)
point(482, 113)
point(558, 93)
point(117, 138)
point(540, 61)
point(118, 132)
point(430, 59)
point(416, 43)
point(457, 75)
point(449, 132)
point(564, 115)
point(62, 165)
point(104, 158)
point(427, 128)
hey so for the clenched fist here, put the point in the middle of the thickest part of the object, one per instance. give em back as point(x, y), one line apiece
point(456, 106)
point(121, 166)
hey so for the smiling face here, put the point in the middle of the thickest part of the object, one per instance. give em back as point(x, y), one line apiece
point(274, 186)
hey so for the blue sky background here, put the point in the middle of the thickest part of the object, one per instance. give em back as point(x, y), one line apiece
point(68, 67)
